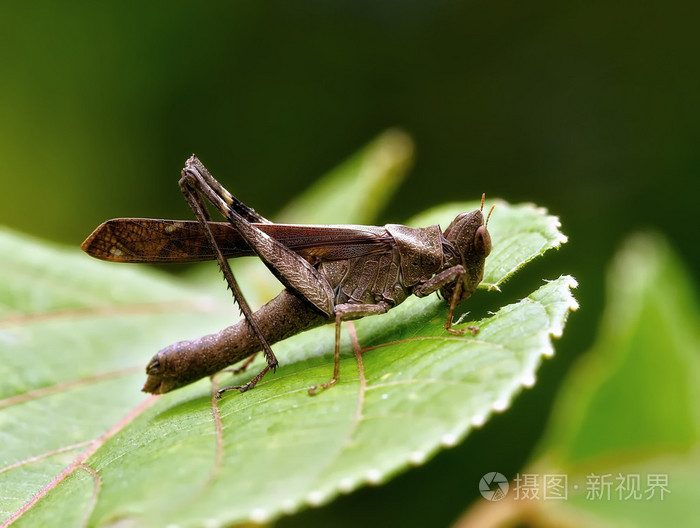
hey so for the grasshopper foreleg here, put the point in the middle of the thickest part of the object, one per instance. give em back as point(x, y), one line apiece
point(455, 274)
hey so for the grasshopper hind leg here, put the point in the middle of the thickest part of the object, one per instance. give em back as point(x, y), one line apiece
point(252, 383)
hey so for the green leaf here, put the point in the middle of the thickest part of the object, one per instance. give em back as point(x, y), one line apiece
point(645, 358)
point(629, 413)
point(72, 401)
point(81, 445)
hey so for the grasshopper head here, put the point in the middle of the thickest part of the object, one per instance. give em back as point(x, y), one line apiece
point(471, 244)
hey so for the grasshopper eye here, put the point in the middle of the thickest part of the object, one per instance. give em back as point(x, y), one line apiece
point(482, 241)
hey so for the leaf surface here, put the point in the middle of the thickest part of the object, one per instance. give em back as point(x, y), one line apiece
point(82, 446)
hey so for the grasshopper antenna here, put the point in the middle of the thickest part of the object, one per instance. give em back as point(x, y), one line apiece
point(483, 197)
point(489, 216)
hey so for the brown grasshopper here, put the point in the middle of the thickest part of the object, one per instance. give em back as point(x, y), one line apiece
point(332, 273)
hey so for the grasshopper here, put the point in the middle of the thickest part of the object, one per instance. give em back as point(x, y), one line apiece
point(331, 273)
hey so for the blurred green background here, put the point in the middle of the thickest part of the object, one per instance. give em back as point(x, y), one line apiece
point(588, 108)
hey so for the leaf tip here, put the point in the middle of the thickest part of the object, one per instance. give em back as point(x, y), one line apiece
point(555, 224)
point(571, 305)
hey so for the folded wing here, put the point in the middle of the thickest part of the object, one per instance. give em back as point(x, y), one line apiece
point(166, 241)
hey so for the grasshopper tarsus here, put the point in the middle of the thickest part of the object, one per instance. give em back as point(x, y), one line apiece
point(315, 389)
point(240, 388)
point(462, 331)
point(252, 383)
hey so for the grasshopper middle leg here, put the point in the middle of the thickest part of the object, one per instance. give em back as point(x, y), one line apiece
point(346, 312)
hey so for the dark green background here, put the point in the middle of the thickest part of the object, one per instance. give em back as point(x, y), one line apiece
point(588, 108)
